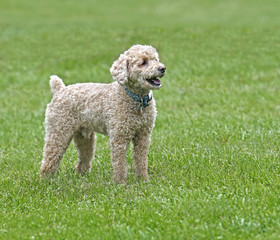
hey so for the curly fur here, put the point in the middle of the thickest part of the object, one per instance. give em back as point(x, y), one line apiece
point(79, 111)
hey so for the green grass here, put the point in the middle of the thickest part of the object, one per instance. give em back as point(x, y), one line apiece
point(214, 158)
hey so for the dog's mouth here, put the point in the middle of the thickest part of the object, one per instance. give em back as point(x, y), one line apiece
point(155, 82)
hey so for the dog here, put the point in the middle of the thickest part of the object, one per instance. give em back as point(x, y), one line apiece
point(124, 110)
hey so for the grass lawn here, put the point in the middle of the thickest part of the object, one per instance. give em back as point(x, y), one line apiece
point(214, 161)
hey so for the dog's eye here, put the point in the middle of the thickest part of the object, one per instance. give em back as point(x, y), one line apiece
point(144, 62)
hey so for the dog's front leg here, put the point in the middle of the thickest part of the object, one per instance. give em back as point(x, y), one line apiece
point(141, 143)
point(119, 146)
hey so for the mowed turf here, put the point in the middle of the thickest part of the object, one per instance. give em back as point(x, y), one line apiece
point(214, 161)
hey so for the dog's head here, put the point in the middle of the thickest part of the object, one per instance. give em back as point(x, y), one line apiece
point(139, 68)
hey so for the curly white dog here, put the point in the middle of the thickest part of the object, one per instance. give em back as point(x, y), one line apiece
point(124, 110)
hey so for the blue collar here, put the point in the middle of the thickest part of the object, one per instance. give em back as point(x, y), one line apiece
point(143, 101)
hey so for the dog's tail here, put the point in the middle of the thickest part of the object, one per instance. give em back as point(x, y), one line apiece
point(56, 84)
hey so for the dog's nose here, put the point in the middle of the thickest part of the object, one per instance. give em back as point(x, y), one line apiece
point(162, 69)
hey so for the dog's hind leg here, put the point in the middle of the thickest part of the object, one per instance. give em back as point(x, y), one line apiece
point(58, 136)
point(54, 149)
point(85, 144)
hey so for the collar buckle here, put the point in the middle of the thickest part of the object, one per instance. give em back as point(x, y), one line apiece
point(143, 101)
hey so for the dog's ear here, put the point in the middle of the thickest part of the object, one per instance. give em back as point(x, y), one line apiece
point(119, 70)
